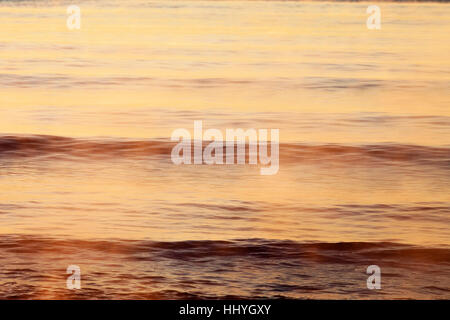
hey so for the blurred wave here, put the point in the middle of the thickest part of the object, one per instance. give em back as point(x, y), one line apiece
point(216, 269)
point(66, 148)
point(61, 81)
point(342, 252)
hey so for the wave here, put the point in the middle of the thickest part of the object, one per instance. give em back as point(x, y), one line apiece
point(26, 146)
point(35, 268)
point(373, 153)
point(43, 145)
point(61, 81)
point(438, 212)
point(268, 249)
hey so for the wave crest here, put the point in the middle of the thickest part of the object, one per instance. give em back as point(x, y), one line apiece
point(67, 148)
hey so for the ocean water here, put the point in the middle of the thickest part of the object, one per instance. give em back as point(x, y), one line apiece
point(86, 176)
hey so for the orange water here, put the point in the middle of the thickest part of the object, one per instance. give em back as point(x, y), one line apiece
point(85, 170)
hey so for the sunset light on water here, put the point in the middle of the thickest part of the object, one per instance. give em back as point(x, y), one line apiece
point(87, 170)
